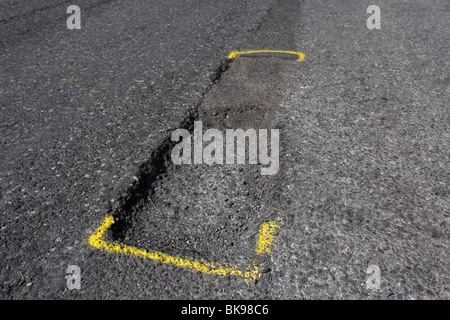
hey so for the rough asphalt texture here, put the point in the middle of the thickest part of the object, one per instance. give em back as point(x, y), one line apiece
point(86, 115)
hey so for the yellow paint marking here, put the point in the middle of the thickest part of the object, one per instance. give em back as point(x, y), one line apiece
point(234, 54)
point(266, 236)
point(98, 241)
point(251, 273)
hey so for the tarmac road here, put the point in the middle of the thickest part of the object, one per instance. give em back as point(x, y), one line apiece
point(87, 115)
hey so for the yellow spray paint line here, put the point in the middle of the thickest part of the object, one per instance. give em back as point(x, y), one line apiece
point(234, 54)
point(251, 273)
point(266, 237)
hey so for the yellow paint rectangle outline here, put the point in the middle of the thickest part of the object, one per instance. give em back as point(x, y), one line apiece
point(263, 244)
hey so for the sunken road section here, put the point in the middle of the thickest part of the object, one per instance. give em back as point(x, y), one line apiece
point(217, 219)
point(192, 215)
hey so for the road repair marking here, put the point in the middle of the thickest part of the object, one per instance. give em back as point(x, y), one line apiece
point(234, 54)
point(251, 273)
point(264, 241)
point(266, 236)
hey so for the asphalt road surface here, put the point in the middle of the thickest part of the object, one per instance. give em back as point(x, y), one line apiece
point(86, 120)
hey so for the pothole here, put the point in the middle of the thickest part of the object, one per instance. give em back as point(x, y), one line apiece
point(210, 212)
